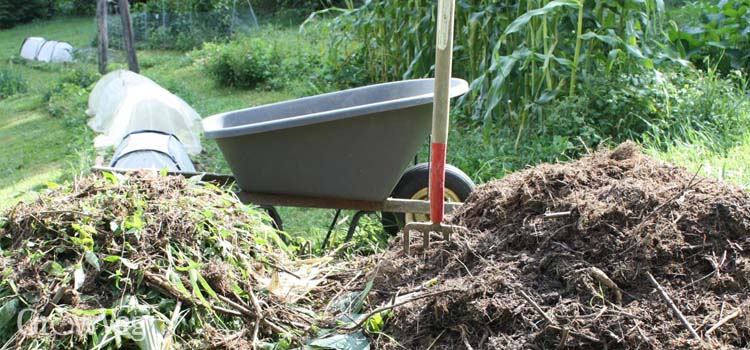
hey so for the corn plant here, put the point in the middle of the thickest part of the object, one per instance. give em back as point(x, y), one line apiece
point(519, 56)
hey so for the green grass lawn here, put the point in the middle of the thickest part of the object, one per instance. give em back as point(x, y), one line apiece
point(36, 149)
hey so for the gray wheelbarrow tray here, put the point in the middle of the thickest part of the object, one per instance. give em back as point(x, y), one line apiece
point(344, 150)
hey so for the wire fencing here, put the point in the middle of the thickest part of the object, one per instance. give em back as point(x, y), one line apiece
point(162, 25)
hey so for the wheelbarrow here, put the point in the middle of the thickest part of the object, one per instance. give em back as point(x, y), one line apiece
point(341, 150)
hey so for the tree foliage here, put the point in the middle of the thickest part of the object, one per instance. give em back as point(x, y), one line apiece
point(13, 12)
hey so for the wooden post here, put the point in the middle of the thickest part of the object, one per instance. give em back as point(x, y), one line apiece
point(127, 36)
point(103, 38)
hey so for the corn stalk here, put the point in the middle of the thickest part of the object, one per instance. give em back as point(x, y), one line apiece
point(518, 56)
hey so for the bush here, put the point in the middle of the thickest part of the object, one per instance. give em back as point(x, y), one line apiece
point(242, 63)
point(11, 83)
point(69, 102)
point(68, 98)
point(81, 76)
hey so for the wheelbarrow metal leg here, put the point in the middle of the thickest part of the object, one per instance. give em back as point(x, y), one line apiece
point(275, 216)
point(330, 229)
point(355, 222)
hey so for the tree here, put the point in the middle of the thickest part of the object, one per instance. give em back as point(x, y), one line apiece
point(13, 12)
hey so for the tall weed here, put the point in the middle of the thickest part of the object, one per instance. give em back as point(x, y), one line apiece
point(11, 83)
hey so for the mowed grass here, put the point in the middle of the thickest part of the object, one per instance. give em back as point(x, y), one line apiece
point(79, 32)
point(34, 147)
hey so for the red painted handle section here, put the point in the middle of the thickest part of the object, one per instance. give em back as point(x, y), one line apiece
point(437, 182)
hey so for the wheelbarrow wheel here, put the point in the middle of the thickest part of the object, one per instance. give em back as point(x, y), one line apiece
point(414, 184)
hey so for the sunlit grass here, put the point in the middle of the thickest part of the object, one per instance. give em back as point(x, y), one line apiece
point(35, 149)
point(732, 165)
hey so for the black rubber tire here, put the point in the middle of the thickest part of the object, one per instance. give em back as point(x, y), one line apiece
point(415, 179)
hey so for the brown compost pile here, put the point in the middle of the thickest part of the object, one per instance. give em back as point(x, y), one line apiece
point(559, 256)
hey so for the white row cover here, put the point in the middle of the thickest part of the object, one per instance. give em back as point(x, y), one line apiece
point(123, 102)
point(40, 49)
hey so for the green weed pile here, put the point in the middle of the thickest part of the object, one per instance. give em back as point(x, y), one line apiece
point(143, 261)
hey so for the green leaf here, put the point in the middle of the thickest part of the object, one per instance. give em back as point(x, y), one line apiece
point(8, 313)
point(357, 307)
point(177, 283)
point(193, 276)
point(375, 323)
point(524, 19)
point(110, 177)
point(111, 258)
point(54, 268)
point(635, 51)
point(92, 259)
point(207, 287)
point(79, 276)
point(547, 97)
point(353, 341)
point(193, 266)
point(129, 264)
point(609, 39)
point(92, 312)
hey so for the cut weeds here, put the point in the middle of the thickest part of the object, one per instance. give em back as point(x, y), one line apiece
point(147, 260)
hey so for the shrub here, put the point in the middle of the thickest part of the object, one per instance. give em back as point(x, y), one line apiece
point(81, 76)
point(69, 102)
point(242, 63)
point(11, 83)
point(68, 98)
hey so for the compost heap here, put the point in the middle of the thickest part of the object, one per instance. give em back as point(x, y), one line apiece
point(559, 255)
point(147, 260)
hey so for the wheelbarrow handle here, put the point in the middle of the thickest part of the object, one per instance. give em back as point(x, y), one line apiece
point(441, 107)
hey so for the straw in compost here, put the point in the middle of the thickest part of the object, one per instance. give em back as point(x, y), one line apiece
point(613, 251)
